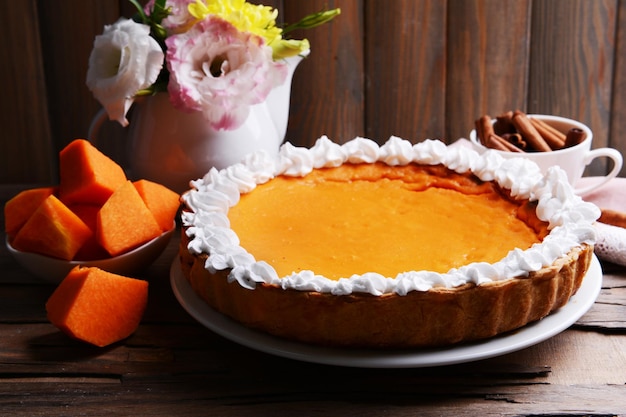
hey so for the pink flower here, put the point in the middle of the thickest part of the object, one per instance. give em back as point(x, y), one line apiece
point(179, 20)
point(220, 71)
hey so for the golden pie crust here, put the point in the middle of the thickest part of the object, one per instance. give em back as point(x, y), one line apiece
point(437, 317)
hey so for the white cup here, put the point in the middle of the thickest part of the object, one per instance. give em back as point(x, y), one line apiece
point(572, 160)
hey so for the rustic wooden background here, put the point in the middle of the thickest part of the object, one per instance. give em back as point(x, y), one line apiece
point(412, 68)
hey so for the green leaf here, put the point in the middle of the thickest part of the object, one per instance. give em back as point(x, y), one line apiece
point(144, 19)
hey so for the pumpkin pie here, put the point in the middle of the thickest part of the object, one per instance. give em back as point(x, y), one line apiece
point(391, 246)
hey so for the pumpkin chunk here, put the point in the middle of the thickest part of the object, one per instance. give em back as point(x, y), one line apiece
point(96, 306)
point(125, 222)
point(87, 175)
point(19, 208)
point(91, 249)
point(52, 230)
point(160, 200)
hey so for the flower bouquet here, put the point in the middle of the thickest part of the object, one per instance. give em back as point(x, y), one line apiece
point(217, 57)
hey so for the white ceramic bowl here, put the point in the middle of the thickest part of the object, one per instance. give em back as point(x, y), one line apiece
point(54, 270)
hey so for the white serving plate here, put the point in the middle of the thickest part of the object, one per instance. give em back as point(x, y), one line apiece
point(409, 358)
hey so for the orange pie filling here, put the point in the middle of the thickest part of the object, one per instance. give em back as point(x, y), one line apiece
point(360, 218)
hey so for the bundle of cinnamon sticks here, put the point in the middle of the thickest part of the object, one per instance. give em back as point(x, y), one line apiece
point(515, 131)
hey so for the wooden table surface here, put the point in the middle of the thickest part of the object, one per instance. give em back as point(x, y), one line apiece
point(173, 365)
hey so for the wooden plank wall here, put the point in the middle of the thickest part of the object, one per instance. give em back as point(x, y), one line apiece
point(413, 68)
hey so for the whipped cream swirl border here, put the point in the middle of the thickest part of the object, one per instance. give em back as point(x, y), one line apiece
point(570, 218)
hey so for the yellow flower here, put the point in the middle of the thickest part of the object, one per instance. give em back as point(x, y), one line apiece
point(246, 17)
point(261, 21)
point(284, 48)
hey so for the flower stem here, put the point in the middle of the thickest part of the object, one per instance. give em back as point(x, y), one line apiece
point(313, 20)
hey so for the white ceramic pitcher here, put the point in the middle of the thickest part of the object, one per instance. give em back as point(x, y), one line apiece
point(172, 147)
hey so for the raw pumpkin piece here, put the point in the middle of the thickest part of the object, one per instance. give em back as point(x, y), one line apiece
point(96, 306)
point(52, 230)
point(87, 175)
point(125, 222)
point(91, 249)
point(19, 208)
point(160, 200)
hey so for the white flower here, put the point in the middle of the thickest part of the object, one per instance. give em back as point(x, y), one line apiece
point(124, 60)
point(220, 71)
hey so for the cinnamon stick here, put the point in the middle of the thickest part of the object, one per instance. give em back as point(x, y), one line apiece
point(551, 128)
point(527, 130)
point(574, 136)
point(498, 142)
point(554, 138)
point(613, 218)
point(515, 139)
point(493, 143)
point(504, 123)
point(484, 129)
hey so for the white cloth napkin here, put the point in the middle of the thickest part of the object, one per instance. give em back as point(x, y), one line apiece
point(611, 242)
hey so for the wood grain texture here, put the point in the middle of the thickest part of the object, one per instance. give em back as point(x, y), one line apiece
point(488, 59)
point(572, 56)
point(405, 69)
point(417, 69)
point(26, 151)
point(617, 138)
point(327, 89)
point(72, 106)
